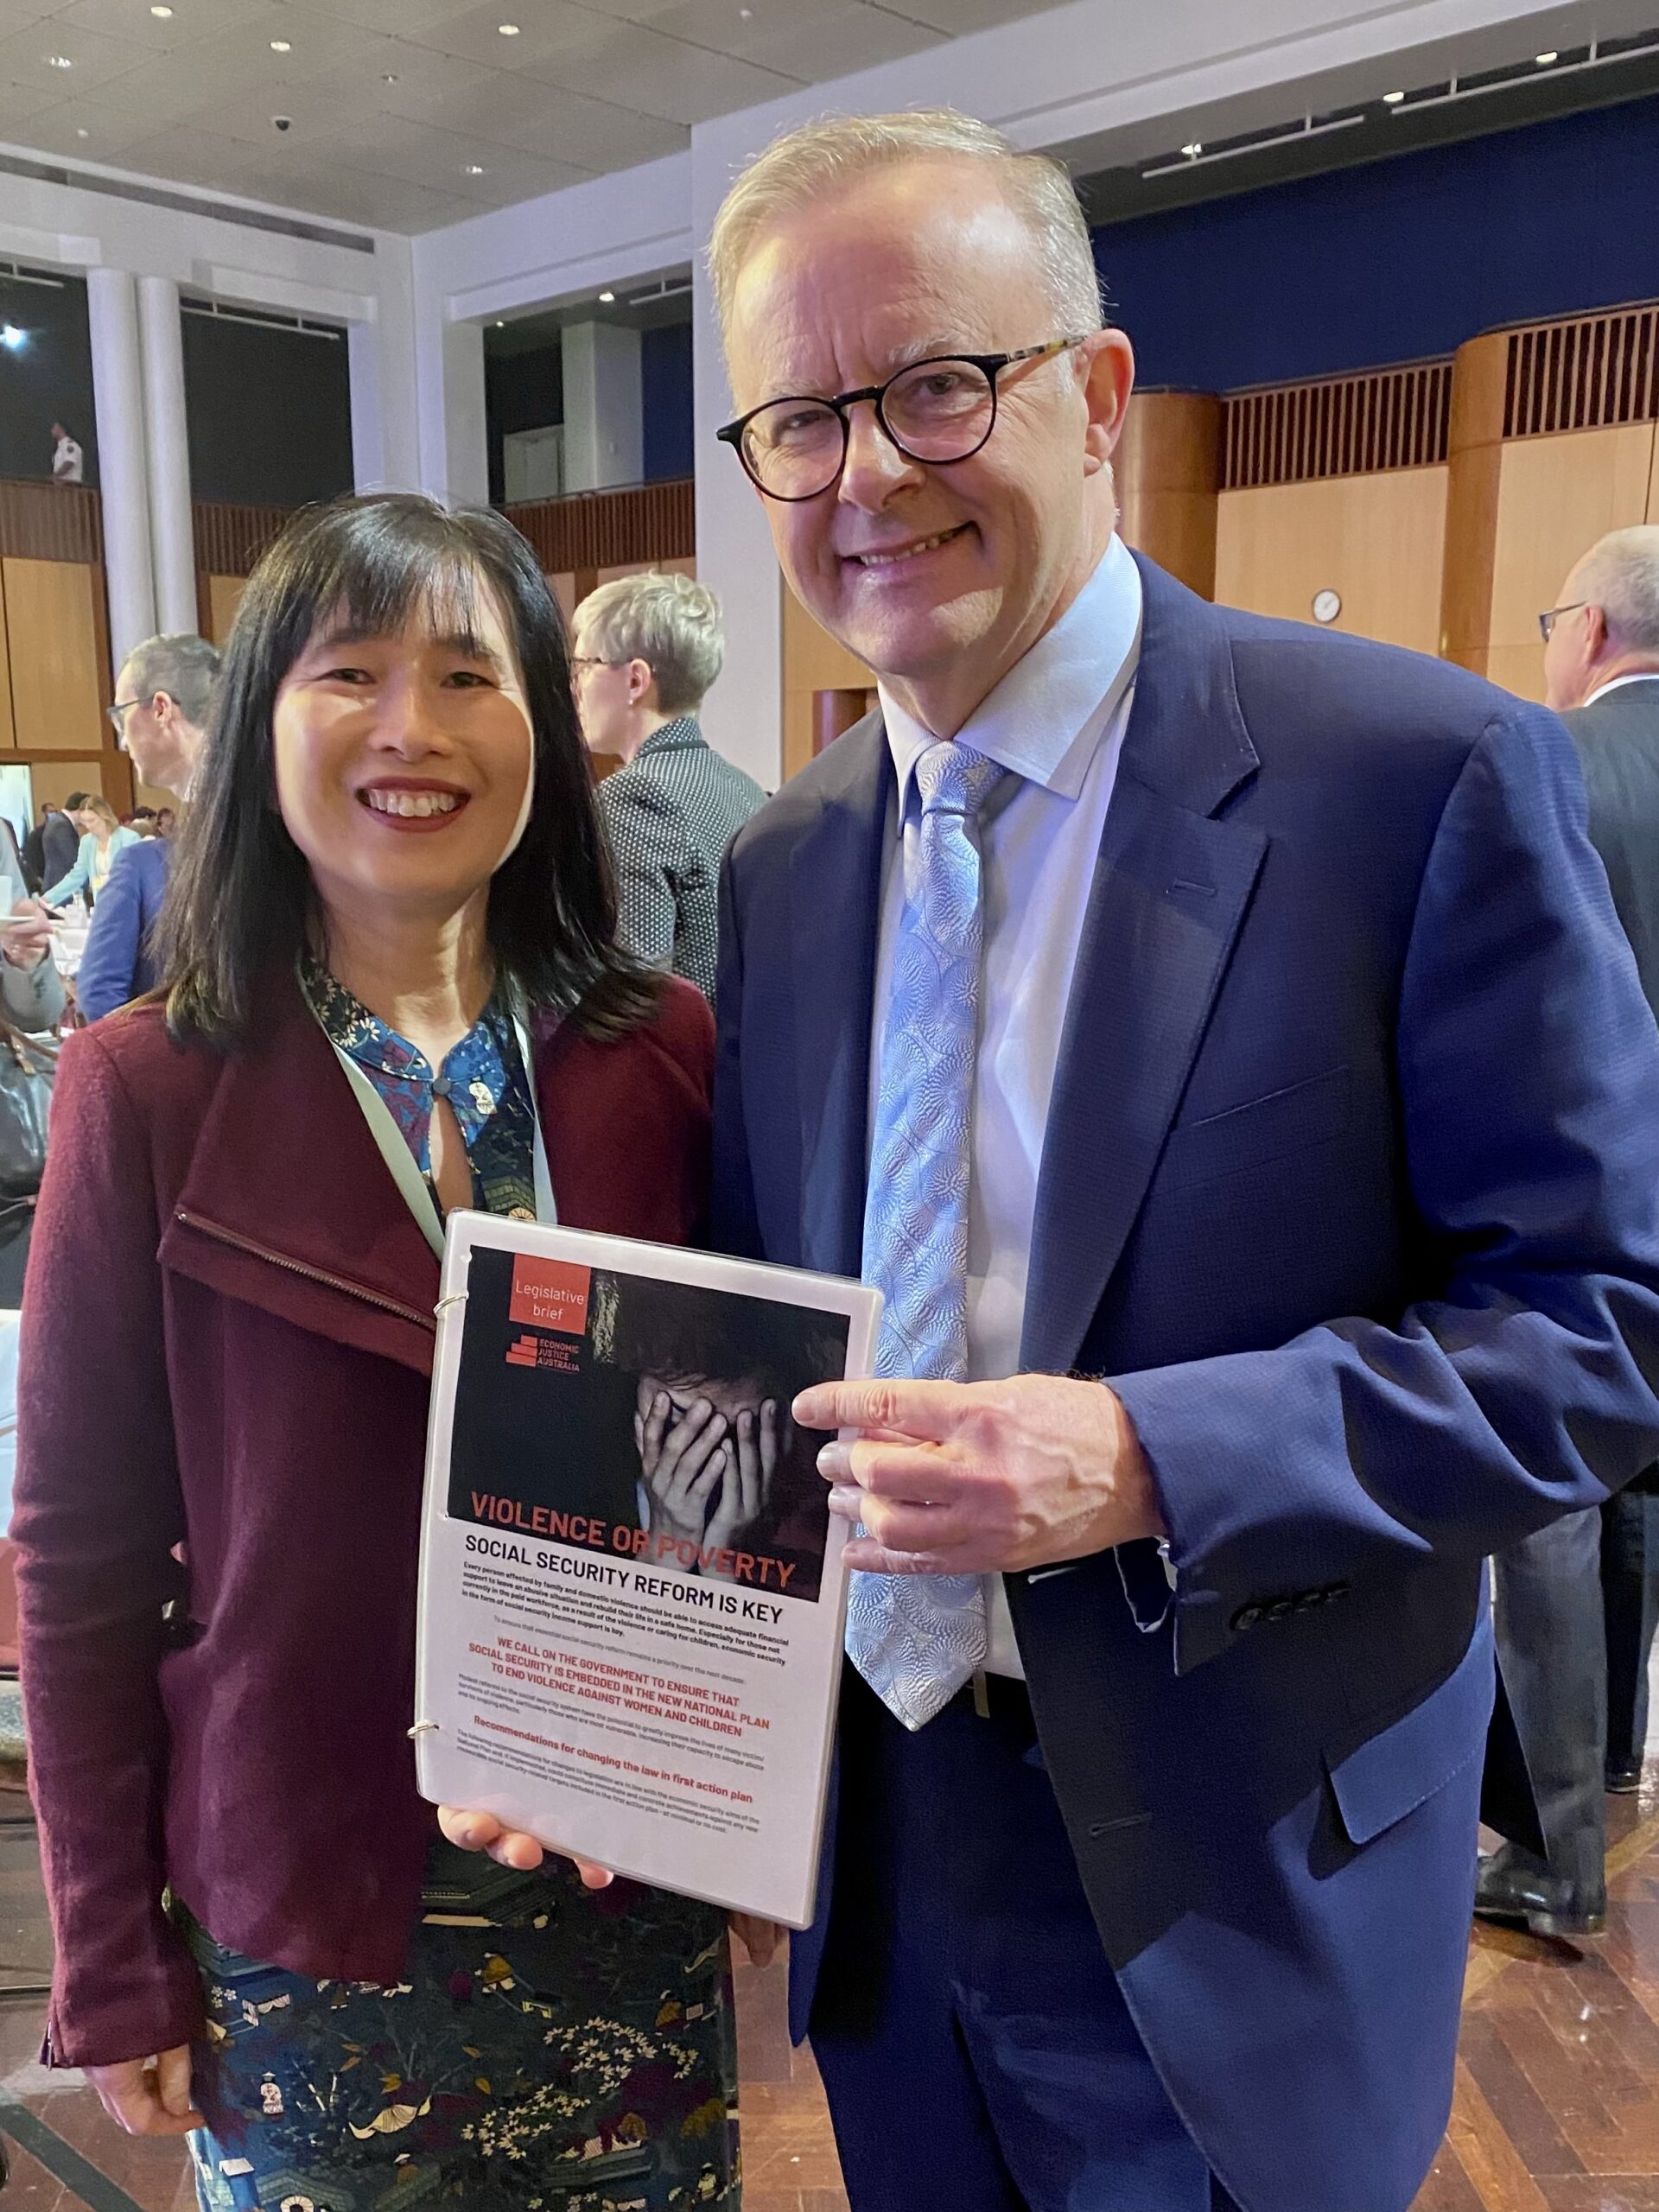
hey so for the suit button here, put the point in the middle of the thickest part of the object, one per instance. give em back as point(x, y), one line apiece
point(1281, 1609)
point(1309, 1599)
point(1247, 1617)
point(1337, 1589)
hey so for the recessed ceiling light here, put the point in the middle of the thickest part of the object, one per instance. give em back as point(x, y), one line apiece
point(81, 131)
point(282, 46)
point(60, 61)
point(746, 15)
point(1392, 99)
point(473, 168)
point(1193, 150)
point(11, 338)
point(605, 298)
point(508, 30)
point(501, 325)
point(165, 13)
point(1544, 60)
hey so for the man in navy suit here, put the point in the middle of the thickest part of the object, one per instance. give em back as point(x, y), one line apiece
point(161, 700)
point(1269, 1215)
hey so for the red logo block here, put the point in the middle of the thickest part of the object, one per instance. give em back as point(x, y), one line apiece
point(549, 1294)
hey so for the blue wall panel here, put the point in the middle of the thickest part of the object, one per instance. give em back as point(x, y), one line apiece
point(1394, 260)
point(666, 391)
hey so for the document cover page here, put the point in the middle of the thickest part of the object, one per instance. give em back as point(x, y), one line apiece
point(631, 1593)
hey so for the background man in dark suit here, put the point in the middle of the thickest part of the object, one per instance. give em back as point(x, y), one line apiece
point(1217, 1040)
point(161, 699)
point(59, 838)
point(1577, 1601)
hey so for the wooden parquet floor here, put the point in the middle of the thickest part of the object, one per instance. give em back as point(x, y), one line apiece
point(1557, 2101)
point(1556, 2110)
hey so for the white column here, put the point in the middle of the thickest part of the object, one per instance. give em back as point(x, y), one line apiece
point(455, 454)
point(744, 716)
point(172, 535)
point(119, 395)
point(604, 413)
point(385, 433)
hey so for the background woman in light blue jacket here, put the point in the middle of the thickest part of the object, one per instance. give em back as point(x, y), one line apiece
point(102, 838)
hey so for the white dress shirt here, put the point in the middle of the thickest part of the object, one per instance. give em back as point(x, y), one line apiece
point(1617, 684)
point(1057, 721)
point(67, 465)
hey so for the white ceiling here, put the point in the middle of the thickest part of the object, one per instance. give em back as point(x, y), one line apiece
point(406, 114)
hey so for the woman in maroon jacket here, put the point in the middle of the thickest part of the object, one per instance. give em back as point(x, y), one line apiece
point(393, 872)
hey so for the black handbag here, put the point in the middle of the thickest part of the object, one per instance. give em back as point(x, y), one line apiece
point(27, 1066)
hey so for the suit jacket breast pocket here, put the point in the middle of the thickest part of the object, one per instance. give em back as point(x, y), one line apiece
point(1274, 1126)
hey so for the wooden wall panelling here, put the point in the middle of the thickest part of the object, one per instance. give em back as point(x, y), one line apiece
point(571, 585)
point(52, 622)
point(1556, 496)
point(1653, 484)
point(224, 596)
point(229, 538)
point(597, 530)
point(1168, 467)
point(676, 565)
point(1584, 372)
point(55, 779)
point(1375, 540)
point(8, 731)
point(50, 522)
point(1337, 426)
point(813, 662)
point(1475, 446)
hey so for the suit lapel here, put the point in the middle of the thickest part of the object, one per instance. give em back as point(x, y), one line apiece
point(1170, 892)
point(834, 896)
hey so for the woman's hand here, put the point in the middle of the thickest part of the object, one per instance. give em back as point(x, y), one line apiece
point(681, 1464)
point(149, 2096)
point(748, 1463)
point(512, 1846)
point(760, 1938)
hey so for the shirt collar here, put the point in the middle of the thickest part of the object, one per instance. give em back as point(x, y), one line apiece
point(1047, 716)
point(682, 730)
point(1638, 676)
point(482, 1055)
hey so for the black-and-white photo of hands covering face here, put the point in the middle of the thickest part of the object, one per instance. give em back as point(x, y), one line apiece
point(708, 1449)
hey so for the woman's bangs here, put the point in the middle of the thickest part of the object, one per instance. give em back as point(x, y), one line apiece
point(381, 582)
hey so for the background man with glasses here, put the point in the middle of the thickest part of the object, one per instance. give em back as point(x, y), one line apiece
point(1222, 1031)
point(161, 699)
point(1578, 1601)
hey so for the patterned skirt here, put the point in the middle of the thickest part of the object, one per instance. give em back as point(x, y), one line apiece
point(553, 2050)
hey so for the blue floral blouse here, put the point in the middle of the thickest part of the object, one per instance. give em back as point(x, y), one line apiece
point(483, 1077)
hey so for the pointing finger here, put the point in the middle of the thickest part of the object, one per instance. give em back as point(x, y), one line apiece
point(928, 1410)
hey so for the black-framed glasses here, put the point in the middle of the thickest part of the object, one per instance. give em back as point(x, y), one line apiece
point(1551, 616)
point(591, 660)
point(121, 706)
point(935, 412)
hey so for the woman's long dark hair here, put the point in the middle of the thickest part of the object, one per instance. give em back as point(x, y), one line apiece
point(241, 901)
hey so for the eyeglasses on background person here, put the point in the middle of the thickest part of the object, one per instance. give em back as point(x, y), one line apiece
point(935, 412)
point(1551, 616)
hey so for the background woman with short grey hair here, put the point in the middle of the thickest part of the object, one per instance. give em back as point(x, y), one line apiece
point(648, 648)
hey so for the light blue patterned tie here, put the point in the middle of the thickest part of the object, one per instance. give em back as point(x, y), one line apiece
point(916, 1639)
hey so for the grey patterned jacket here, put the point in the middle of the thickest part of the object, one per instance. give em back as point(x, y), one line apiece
point(669, 815)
